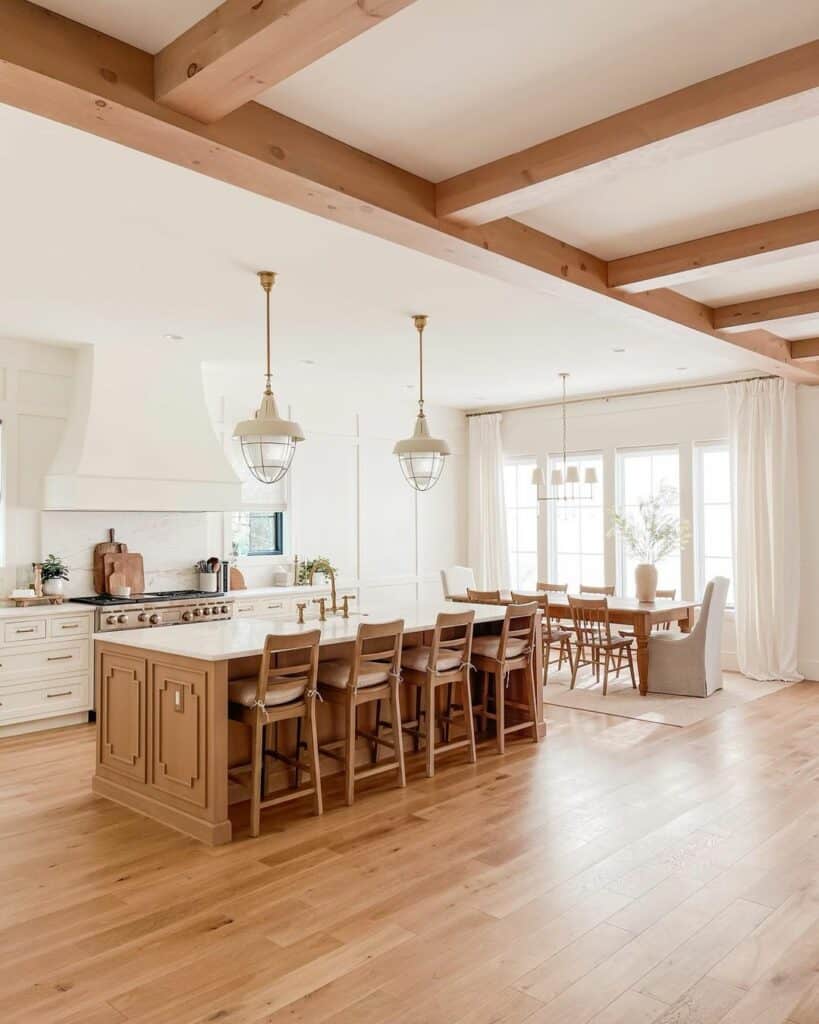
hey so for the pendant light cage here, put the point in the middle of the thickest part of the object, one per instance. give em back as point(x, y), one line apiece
point(268, 442)
point(564, 482)
point(421, 457)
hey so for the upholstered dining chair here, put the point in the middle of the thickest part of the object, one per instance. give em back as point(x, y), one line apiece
point(456, 580)
point(688, 664)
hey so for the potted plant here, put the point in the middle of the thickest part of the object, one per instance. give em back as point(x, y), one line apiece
point(650, 534)
point(55, 572)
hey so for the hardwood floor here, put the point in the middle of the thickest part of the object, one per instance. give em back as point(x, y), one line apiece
point(620, 872)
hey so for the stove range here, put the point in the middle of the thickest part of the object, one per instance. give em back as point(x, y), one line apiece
point(165, 608)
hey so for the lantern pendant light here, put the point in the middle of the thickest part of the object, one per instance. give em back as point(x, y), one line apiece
point(564, 482)
point(421, 456)
point(268, 442)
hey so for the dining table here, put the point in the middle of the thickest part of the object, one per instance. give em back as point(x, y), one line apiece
point(639, 616)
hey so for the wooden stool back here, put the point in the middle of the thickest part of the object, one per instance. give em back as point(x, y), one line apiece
point(377, 641)
point(273, 676)
point(542, 601)
point(519, 623)
point(453, 634)
point(483, 596)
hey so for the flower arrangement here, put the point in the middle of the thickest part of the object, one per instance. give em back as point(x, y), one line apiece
point(653, 531)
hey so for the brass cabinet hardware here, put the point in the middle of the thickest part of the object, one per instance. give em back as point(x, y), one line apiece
point(31, 629)
point(63, 693)
point(60, 657)
point(69, 625)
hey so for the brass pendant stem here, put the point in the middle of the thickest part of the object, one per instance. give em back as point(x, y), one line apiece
point(267, 279)
point(420, 323)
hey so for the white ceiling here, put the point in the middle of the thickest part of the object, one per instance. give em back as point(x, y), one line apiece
point(101, 243)
point(431, 89)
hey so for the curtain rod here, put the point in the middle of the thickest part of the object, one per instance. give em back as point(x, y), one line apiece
point(620, 394)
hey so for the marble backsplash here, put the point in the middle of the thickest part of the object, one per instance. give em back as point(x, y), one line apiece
point(169, 542)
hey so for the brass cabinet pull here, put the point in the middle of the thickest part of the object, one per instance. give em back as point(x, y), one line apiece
point(61, 657)
point(64, 693)
point(69, 625)
point(31, 629)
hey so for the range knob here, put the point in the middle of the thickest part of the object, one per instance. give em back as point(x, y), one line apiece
point(122, 619)
point(197, 612)
point(111, 620)
point(206, 611)
point(155, 619)
point(143, 617)
point(224, 609)
point(186, 616)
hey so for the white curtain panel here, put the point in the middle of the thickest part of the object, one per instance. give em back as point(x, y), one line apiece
point(488, 548)
point(763, 439)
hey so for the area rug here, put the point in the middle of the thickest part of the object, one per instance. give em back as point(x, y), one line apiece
point(663, 709)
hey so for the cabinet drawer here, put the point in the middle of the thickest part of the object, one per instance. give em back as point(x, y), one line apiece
point(19, 630)
point(54, 660)
point(63, 695)
point(68, 626)
point(243, 609)
point(267, 608)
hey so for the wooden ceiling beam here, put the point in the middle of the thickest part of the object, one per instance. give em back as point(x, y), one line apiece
point(754, 245)
point(740, 315)
point(245, 47)
point(735, 105)
point(805, 348)
point(62, 70)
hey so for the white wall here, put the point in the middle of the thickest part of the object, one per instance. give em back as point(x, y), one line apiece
point(681, 418)
point(345, 494)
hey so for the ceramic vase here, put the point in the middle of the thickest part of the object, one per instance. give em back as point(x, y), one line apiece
point(53, 588)
point(645, 582)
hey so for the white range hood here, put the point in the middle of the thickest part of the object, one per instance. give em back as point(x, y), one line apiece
point(139, 437)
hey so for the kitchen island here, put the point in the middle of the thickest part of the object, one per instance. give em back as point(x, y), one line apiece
point(164, 740)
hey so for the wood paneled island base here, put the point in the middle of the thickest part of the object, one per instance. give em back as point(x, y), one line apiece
point(164, 740)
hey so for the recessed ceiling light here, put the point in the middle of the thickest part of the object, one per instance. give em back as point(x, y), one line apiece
point(408, 387)
point(173, 337)
point(307, 362)
point(682, 369)
point(618, 350)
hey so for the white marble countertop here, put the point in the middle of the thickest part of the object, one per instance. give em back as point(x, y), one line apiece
point(252, 592)
point(237, 638)
point(33, 611)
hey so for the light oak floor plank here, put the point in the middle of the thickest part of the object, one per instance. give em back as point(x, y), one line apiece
point(620, 872)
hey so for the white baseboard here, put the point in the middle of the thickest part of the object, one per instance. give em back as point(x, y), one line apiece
point(41, 724)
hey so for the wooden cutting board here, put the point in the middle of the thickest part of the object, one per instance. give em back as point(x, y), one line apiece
point(129, 566)
point(110, 547)
point(237, 580)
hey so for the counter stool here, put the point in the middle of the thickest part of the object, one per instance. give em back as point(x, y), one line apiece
point(498, 656)
point(444, 663)
point(372, 675)
point(593, 629)
point(483, 596)
point(557, 639)
point(279, 693)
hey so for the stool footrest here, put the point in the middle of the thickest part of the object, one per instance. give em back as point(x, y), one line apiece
point(378, 769)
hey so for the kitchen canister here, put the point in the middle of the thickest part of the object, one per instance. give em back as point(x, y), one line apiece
point(208, 582)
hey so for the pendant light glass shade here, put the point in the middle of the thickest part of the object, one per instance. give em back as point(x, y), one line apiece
point(421, 456)
point(268, 442)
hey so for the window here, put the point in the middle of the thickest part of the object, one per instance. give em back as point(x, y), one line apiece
point(713, 527)
point(641, 474)
point(257, 533)
point(521, 523)
point(577, 530)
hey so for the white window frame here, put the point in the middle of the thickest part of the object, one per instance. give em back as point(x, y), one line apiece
point(552, 508)
point(699, 519)
point(619, 503)
point(531, 462)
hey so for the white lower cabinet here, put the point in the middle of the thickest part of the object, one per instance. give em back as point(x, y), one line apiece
point(45, 667)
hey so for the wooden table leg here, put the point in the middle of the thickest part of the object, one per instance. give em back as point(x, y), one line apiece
point(686, 624)
point(642, 628)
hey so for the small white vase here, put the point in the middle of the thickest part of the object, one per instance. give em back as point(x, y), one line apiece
point(53, 588)
point(645, 582)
